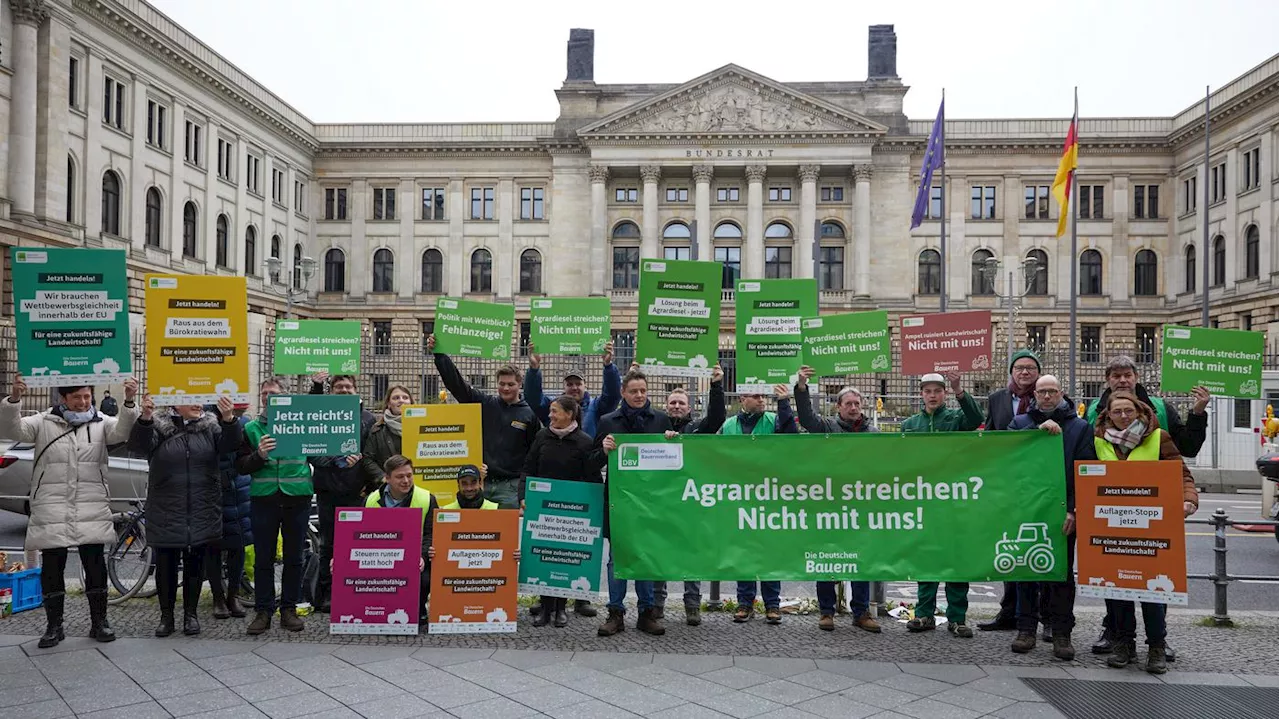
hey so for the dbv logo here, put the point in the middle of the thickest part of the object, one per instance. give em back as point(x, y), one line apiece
point(630, 456)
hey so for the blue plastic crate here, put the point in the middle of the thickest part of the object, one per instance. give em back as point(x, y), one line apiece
point(25, 586)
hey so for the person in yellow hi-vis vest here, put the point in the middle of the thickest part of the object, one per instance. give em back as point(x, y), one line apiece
point(400, 491)
point(471, 489)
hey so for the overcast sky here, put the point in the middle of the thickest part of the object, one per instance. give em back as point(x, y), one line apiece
point(439, 61)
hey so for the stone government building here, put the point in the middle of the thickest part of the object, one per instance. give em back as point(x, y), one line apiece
point(125, 131)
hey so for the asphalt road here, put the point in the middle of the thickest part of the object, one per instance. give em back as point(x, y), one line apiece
point(1248, 554)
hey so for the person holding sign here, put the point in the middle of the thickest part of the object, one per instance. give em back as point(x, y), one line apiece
point(1128, 430)
point(508, 422)
point(937, 417)
point(183, 447)
point(400, 491)
point(384, 440)
point(849, 418)
point(471, 489)
point(69, 506)
point(593, 408)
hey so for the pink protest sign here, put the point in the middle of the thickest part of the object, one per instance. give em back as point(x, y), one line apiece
point(376, 581)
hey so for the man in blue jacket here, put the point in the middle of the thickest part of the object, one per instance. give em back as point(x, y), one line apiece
point(593, 408)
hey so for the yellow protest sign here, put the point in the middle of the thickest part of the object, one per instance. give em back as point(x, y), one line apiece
point(440, 438)
point(197, 340)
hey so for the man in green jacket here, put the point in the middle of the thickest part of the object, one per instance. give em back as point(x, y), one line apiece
point(937, 417)
point(279, 505)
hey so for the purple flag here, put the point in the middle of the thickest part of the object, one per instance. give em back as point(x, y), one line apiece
point(934, 155)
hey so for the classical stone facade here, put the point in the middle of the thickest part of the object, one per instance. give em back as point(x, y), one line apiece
point(126, 131)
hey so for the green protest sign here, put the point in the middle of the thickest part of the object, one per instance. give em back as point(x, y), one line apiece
point(72, 308)
point(851, 343)
point(563, 544)
point(961, 506)
point(569, 325)
point(679, 327)
point(768, 314)
point(1226, 362)
point(314, 425)
point(310, 346)
point(465, 328)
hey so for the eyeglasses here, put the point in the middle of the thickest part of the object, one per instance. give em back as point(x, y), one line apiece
point(1047, 392)
point(1023, 368)
point(1122, 412)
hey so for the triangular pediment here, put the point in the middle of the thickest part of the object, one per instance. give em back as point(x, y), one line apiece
point(732, 100)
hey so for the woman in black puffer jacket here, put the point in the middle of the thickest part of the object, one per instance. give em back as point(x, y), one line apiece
point(184, 497)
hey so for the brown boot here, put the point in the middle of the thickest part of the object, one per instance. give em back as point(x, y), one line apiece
point(827, 623)
point(650, 623)
point(260, 624)
point(867, 623)
point(615, 624)
point(1062, 648)
point(290, 620)
point(1024, 642)
point(235, 608)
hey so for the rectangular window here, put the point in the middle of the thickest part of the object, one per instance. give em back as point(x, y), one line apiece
point(626, 268)
point(1091, 343)
point(113, 102)
point(779, 194)
point(335, 203)
point(1037, 202)
point(676, 253)
point(433, 203)
point(1037, 335)
point(1146, 202)
point(277, 185)
point(730, 259)
point(727, 194)
point(482, 203)
point(1242, 414)
point(1189, 195)
point(156, 123)
point(832, 194)
point(299, 197)
point(191, 151)
point(532, 204)
point(677, 194)
point(1251, 176)
point(381, 383)
point(935, 203)
point(1217, 183)
point(625, 194)
point(830, 268)
point(1090, 202)
point(1091, 390)
point(384, 203)
point(1146, 343)
point(428, 329)
point(253, 173)
point(1246, 322)
point(73, 82)
point(382, 337)
point(777, 263)
point(982, 202)
point(225, 163)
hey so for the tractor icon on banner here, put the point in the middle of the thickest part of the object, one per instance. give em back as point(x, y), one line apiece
point(1031, 548)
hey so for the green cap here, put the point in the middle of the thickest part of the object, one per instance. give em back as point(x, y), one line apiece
point(1024, 354)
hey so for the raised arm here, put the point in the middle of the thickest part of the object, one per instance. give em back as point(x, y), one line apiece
point(454, 382)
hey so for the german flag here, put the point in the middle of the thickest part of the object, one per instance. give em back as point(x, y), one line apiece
point(1063, 184)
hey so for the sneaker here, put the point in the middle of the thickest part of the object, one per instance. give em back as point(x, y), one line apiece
point(922, 624)
point(1121, 655)
point(615, 624)
point(827, 623)
point(867, 623)
point(1062, 648)
point(1156, 661)
point(693, 616)
point(960, 629)
point(650, 623)
point(1023, 643)
point(742, 614)
point(773, 615)
point(260, 624)
point(1105, 644)
point(290, 620)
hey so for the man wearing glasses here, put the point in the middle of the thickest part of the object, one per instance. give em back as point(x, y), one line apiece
point(1052, 413)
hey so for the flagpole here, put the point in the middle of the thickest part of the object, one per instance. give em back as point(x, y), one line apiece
point(1075, 262)
point(1204, 212)
point(942, 210)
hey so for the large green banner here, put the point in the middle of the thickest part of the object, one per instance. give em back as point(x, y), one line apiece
point(1228, 363)
point(961, 506)
point(72, 308)
point(310, 346)
point(679, 328)
point(768, 315)
point(569, 325)
point(465, 328)
point(563, 544)
point(853, 343)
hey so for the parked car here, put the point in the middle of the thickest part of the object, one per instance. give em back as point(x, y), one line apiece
point(126, 477)
point(1267, 467)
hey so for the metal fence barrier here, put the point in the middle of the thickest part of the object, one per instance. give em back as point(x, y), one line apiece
point(1220, 578)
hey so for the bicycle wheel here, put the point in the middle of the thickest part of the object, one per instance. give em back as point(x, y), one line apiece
point(129, 563)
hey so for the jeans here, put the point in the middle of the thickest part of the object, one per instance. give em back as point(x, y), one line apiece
point(859, 598)
point(53, 568)
point(167, 559)
point(957, 600)
point(692, 594)
point(618, 591)
point(233, 560)
point(285, 516)
point(1153, 620)
point(503, 491)
point(772, 592)
point(327, 505)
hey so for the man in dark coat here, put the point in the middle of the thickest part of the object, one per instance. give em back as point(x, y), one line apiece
point(1054, 601)
point(237, 533)
point(593, 408)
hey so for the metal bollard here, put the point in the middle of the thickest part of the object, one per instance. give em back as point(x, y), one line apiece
point(714, 602)
point(877, 600)
point(1220, 580)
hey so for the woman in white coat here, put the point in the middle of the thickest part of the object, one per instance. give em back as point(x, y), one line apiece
point(69, 502)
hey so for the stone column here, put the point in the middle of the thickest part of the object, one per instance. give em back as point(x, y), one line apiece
point(599, 176)
point(408, 260)
point(702, 175)
point(753, 262)
point(649, 231)
point(52, 113)
point(506, 260)
point(808, 215)
point(27, 16)
point(860, 246)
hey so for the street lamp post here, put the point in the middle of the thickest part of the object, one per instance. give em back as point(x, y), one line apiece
point(307, 267)
point(1031, 268)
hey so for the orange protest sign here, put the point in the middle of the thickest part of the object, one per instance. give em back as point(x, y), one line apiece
point(473, 574)
point(1131, 542)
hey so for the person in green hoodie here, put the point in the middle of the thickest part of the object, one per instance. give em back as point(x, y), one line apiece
point(937, 417)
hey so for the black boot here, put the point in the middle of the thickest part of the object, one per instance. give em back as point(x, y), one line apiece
point(53, 607)
point(165, 627)
point(583, 608)
point(219, 592)
point(545, 608)
point(99, 628)
point(190, 625)
point(1105, 644)
point(1000, 623)
point(234, 607)
point(561, 619)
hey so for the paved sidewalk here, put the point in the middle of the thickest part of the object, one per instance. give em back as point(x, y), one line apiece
point(145, 678)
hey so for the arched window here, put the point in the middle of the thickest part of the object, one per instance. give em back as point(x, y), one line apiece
point(626, 256)
point(275, 246)
point(297, 266)
point(223, 247)
point(676, 231)
point(777, 231)
point(111, 203)
point(1251, 261)
point(481, 271)
point(71, 189)
point(153, 217)
point(930, 273)
point(1189, 272)
point(727, 231)
point(1144, 273)
point(1219, 261)
point(189, 225)
point(832, 230)
point(384, 269)
point(1090, 272)
point(530, 272)
point(335, 270)
point(250, 251)
point(1040, 284)
point(626, 230)
point(432, 271)
point(676, 238)
point(979, 282)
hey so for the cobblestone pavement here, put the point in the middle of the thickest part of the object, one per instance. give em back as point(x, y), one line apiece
point(1249, 647)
